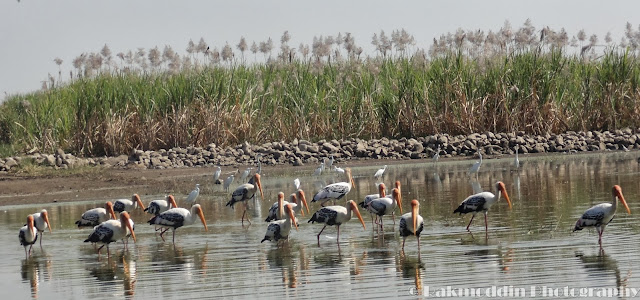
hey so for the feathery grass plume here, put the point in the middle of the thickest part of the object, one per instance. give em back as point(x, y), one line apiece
point(227, 53)
point(242, 46)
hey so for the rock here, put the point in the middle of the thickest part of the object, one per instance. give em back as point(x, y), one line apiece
point(297, 162)
point(10, 163)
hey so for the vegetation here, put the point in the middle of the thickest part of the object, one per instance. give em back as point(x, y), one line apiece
point(537, 81)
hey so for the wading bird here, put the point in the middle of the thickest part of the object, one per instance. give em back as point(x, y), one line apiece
point(338, 169)
point(600, 216)
point(380, 172)
point(245, 192)
point(280, 229)
point(41, 221)
point(245, 174)
point(111, 231)
point(334, 191)
point(368, 198)
point(128, 205)
point(385, 206)
point(216, 175)
point(178, 217)
point(481, 202)
point(436, 156)
point(94, 217)
point(411, 223)
point(329, 162)
point(28, 235)
point(191, 199)
point(336, 215)
point(319, 170)
point(228, 182)
point(476, 167)
point(276, 212)
point(157, 207)
point(516, 161)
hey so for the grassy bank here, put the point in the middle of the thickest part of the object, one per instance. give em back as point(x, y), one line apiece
point(533, 89)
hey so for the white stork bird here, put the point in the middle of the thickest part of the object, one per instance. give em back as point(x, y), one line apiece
point(336, 215)
point(368, 198)
point(516, 161)
point(157, 207)
point(600, 216)
point(476, 166)
point(277, 212)
point(111, 231)
point(280, 229)
point(411, 223)
point(41, 221)
point(481, 202)
point(245, 192)
point(228, 182)
point(94, 217)
point(121, 205)
point(334, 191)
point(385, 206)
point(191, 198)
point(380, 172)
point(28, 235)
point(178, 217)
point(216, 175)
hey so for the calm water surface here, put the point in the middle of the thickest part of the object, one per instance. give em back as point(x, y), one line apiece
point(529, 245)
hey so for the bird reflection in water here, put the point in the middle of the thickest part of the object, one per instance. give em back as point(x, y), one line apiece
point(503, 258)
point(36, 269)
point(111, 272)
point(283, 258)
point(601, 263)
point(411, 267)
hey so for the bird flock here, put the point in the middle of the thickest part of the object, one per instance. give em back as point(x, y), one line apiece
point(108, 227)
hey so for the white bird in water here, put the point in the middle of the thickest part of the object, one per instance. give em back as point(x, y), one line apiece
point(191, 199)
point(476, 167)
point(28, 235)
point(380, 172)
point(336, 215)
point(296, 183)
point(94, 217)
point(41, 221)
point(121, 205)
point(338, 169)
point(516, 161)
point(385, 206)
point(216, 175)
point(436, 156)
point(245, 192)
point(111, 231)
point(245, 174)
point(481, 202)
point(178, 217)
point(334, 191)
point(280, 229)
point(329, 162)
point(599, 216)
point(259, 171)
point(228, 182)
point(411, 224)
point(319, 170)
point(157, 207)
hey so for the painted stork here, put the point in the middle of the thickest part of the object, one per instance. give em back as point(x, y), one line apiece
point(191, 199)
point(380, 172)
point(481, 202)
point(245, 192)
point(157, 207)
point(128, 205)
point(277, 212)
point(216, 175)
point(111, 231)
point(279, 229)
point(28, 235)
point(476, 167)
point(385, 206)
point(41, 221)
point(600, 216)
point(334, 191)
point(336, 215)
point(411, 223)
point(178, 217)
point(94, 217)
point(371, 197)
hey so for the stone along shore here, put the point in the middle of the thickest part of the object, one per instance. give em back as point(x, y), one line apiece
point(300, 152)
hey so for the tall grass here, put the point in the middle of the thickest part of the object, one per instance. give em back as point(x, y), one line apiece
point(533, 89)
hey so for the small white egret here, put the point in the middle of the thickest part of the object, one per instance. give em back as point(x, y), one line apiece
point(216, 175)
point(319, 170)
point(380, 172)
point(191, 199)
point(476, 167)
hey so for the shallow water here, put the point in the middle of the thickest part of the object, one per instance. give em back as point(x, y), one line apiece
point(529, 246)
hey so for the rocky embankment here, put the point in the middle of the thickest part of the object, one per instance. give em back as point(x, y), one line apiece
point(300, 152)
